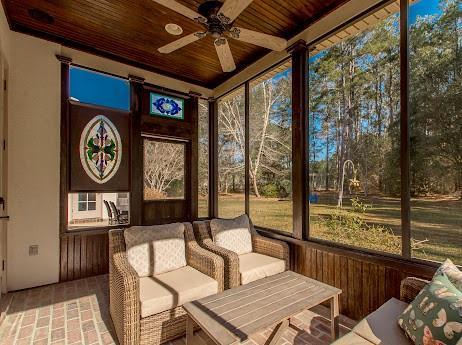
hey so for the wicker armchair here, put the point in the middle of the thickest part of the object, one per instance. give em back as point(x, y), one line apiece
point(124, 286)
point(410, 288)
point(262, 245)
point(381, 326)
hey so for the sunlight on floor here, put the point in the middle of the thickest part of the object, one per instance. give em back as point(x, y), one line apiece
point(77, 313)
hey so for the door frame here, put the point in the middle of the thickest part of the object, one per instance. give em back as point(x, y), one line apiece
point(3, 172)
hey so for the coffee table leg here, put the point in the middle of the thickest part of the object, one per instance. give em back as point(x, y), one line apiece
point(278, 331)
point(334, 316)
point(189, 331)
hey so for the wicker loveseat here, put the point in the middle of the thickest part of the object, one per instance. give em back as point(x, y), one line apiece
point(381, 326)
point(266, 251)
point(126, 286)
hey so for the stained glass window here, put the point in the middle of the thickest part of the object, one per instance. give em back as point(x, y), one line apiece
point(166, 106)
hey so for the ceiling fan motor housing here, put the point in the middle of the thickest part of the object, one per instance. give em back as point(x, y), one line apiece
point(216, 24)
point(210, 8)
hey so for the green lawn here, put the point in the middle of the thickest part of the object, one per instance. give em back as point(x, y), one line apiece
point(438, 220)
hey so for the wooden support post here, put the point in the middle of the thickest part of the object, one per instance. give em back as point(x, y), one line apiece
point(405, 135)
point(194, 157)
point(64, 133)
point(136, 152)
point(213, 158)
point(299, 53)
point(247, 148)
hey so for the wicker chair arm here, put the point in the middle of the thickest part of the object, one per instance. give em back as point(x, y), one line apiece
point(410, 288)
point(271, 247)
point(203, 260)
point(231, 259)
point(124, 291)
point(232, 277)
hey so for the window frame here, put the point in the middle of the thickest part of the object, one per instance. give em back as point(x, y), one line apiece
point(404, 146)
point(248, 87)
point(404, 122)
point(86, 202)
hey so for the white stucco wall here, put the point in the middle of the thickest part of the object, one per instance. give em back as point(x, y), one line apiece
point(33, 165)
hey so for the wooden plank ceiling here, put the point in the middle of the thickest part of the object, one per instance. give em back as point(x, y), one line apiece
point(131, 31)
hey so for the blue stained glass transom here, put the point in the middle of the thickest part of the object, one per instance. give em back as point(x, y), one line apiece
point(100, 89)
point(166, 106)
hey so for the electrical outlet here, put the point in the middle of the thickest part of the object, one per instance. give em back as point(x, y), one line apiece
point(33, 250)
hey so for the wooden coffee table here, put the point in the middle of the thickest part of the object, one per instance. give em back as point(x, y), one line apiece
point(230, 317)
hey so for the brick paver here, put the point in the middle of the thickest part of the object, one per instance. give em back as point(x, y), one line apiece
point(77, 313)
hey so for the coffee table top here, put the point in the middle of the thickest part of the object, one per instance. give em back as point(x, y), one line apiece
point(232, 315)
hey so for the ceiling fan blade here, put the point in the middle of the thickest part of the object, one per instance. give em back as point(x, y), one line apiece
point(258, 38)
point(181, 9)
point(180, 43)
point(231, 9)
point(224, 55)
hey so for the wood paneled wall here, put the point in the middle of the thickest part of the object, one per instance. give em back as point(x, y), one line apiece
point(367, 281)
point(164, 211)
point(83, 255)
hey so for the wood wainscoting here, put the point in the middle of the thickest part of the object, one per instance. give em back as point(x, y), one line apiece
point(367, 280)
point(83, 255)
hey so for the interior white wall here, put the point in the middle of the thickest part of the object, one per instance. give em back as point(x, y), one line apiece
point(34, 149)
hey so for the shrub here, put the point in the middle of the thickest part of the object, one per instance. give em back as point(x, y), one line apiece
point(359, 205)
point(269, 190)
point(348, 228)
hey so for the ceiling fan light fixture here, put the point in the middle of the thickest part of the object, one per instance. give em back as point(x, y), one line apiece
point(173, 29)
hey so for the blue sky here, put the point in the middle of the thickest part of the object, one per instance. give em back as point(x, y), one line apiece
point(99, 89)
point(423, 8)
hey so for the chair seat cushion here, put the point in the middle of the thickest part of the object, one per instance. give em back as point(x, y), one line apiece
point(351, 339)
point(381, 326)
point(172, 289)
point(254, 266)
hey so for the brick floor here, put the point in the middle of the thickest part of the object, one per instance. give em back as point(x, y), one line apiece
point(77, 313)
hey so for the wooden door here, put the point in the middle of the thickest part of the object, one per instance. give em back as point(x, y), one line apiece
point(166, 174)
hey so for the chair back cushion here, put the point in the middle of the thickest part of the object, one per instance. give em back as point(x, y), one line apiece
point(452, 272)
point(232, 234)
point(155, 249)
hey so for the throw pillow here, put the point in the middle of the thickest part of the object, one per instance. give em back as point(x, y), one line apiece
point(232, 234)
point(435, 316)
point(452, 272)
point(155, 249)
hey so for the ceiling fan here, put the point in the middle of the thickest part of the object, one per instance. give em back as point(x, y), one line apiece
point(217, 18)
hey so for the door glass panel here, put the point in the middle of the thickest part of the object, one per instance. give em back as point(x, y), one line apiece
point(164, 170)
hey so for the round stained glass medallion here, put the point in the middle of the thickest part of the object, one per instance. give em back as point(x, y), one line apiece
point(100, 149)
